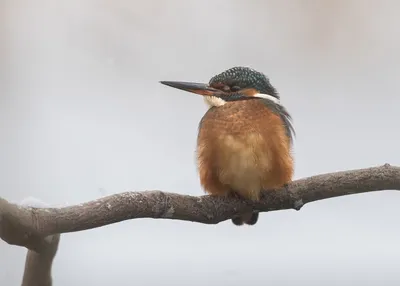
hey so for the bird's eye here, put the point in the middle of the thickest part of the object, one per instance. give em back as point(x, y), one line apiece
point(235, 88)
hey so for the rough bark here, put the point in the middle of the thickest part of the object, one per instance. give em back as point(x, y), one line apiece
point(39, 229)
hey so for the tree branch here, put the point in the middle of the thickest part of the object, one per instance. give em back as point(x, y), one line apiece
point(38, 265)
point(28, 226)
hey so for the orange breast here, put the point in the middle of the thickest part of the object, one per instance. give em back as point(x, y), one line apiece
point(243, 147)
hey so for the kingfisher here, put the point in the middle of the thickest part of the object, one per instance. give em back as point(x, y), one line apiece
point(245, 139)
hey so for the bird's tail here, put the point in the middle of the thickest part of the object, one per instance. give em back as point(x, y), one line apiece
point(250, 218)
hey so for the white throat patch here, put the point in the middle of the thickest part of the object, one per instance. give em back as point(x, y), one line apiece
point(212, 101)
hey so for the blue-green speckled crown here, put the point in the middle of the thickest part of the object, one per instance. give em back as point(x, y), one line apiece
point(244, 77)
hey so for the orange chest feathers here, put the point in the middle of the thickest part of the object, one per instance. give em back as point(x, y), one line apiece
point(243, 147)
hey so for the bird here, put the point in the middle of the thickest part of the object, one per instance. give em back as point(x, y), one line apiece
point(245, 138)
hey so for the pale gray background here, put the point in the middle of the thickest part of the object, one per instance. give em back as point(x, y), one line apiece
point(82, 115)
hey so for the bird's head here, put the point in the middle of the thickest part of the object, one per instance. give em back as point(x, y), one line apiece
point(234, 84)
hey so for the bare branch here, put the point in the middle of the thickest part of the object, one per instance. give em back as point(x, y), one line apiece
point(27, 226)
point(38, 262)
point(38, 265)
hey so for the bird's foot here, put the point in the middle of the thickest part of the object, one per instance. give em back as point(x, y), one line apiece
point(241, 219)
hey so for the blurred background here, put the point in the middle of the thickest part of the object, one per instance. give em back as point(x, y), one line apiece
point(82, 115)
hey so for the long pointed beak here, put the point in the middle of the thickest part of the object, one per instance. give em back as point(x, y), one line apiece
point(198, 88)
